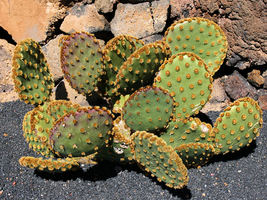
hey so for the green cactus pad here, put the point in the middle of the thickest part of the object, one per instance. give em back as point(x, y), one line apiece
point(200, 36)
point(185, 131)
point(195, 154)
point(82, 132)
point(32, 139)
point(140, 68)
point(56, 109)
point(116, 52)
point(38, 134)
point(31, 73)
point(148, 109)
point(237, 126)
point(186, 78)
point(81, 61)
point(161, 160)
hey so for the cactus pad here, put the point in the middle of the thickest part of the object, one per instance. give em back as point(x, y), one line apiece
point(186, 78)
point(200, 36)
point(140, 68)
point(148, 109)
point(195, 154)
point(31, 74)
point(116, 52)
point(161, 160)
point(82, 132)
point(81, 61)
point(237, 126)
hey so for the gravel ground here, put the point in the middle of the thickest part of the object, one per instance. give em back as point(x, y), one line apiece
point(238, 176)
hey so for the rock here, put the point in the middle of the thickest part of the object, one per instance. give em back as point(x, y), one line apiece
point(244, 24)
point(265, 83)
point(64, 91)
point(7, 92)
point(159, 11)
point(140, 20)
point(219, 99)
point(263, 102)
point(52, 54)
point(27, 19)
point(152, 38)
point(84, 18)
point(132, 19)
point(236, 86)
point(104, 6)
point(182, 8)
point(255, 78)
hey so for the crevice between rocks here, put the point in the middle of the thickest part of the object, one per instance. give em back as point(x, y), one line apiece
point(6, 36)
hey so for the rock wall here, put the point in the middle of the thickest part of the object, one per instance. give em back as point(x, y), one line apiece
point(244, 72)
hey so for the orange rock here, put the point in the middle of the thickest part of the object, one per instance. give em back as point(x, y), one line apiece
point(27, 19)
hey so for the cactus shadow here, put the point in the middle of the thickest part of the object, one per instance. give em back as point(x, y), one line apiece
point(183, 193)
point(101, 171)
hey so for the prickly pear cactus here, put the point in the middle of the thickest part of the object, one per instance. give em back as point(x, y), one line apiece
point(200, 36)
point(31, 73)
point(155, 87)
point(237, 126)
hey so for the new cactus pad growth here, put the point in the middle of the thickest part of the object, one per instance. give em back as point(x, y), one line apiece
point(31, 74)
point(81, 62)
point(200, 36)
point(186, 78)
point(148, 109)
point(155, 87)
point(237, 126)
point(159, 159)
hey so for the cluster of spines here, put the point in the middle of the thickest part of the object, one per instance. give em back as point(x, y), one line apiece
point(200, 36)
point(31, 73)
point(186, 78)
point(148, 109)
point(159, 159)
point(82, 62)
point(237, 126)
point(82, 132)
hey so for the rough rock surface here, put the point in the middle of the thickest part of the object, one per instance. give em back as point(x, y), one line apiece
point(152, 38)
point(24, 19)
point(140, 20)
point(52, 53)
point(7, 92)
point(219, 99)
point(263, 102)
point(182, 8)
point(255, 78)
point(104, 6)
point(84, 18)
point(236, 86)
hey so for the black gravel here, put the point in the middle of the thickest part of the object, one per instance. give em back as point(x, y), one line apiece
point(237, 176)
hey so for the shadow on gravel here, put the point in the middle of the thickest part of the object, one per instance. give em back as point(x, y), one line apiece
point(101, 171)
